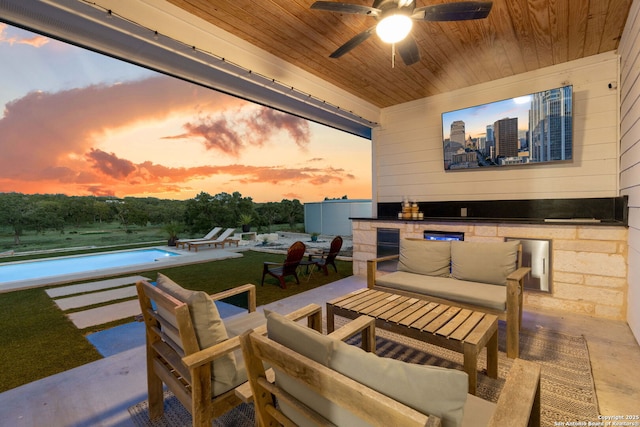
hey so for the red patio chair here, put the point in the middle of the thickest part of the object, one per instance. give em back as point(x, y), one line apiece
point(328, 258)
point(288, 267)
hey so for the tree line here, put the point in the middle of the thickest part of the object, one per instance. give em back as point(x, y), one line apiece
point(57, 212)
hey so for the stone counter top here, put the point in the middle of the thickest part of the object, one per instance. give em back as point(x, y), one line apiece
point(468, 219)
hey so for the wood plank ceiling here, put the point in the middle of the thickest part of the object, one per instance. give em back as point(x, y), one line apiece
point(518, 36)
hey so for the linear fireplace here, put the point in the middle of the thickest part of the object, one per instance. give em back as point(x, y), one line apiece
point(443, 235)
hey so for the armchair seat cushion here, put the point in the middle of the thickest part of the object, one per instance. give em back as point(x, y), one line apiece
point(235, 326)
point(480, 294)
point(238, 324)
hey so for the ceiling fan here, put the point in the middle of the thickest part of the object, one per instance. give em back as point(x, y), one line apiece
point(395, 20)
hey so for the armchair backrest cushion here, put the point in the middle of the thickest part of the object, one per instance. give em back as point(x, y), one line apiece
point(428, 257)
point(485, 262)
point(209, 330)
point(428, 389)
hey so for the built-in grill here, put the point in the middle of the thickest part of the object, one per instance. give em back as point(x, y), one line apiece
point(388, 243)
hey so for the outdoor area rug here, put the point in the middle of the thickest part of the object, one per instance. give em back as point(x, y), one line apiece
point(176, 415)
point(567, 389)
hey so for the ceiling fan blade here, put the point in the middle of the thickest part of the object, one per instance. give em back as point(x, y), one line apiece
point(345, 8)
point(352, 43)
point(460, 11)
point(381, 4)
point(408, 50)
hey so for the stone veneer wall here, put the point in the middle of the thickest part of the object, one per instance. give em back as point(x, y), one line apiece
point(589, 263)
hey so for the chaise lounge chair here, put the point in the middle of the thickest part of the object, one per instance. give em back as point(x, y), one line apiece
point(210, 235)
point(220, 240)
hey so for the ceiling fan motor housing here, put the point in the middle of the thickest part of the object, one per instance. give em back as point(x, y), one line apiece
point(395, 21)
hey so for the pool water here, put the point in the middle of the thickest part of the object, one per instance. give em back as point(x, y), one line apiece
point(39, 269)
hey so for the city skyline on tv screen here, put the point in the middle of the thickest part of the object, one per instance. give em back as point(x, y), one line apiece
point(535, 128)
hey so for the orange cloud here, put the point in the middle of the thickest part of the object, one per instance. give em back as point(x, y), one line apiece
point(279, 174)
point(266, 121)
point(44, 133)
point(232, 136)
point(35, 41)
point(54, 142)
point(111, 175)
point(115, 169)
point(218, 134)
point(110, 164)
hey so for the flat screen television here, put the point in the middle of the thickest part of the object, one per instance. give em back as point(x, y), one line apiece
point(531, 129)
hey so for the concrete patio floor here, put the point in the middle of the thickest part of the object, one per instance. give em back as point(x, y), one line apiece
point(99, 393)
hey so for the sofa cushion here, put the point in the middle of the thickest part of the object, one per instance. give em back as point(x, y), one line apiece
point(430, 390)
point(485, 262)
point(480, 294)
point(209, 330)
point(429, 257)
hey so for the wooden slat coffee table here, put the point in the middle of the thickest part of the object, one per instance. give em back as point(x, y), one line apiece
point(462, 330)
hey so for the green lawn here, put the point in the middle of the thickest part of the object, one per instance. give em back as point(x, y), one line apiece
point(37, 340)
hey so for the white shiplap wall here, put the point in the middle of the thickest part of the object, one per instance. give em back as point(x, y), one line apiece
point(630, 155)
point(408, 158)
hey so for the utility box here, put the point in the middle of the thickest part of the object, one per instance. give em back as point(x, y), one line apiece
point(536, 254)
point(331, 217)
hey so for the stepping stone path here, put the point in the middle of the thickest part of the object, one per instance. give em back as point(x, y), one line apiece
point(88, 294)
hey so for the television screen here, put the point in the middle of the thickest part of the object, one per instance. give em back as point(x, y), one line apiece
point(530, 129)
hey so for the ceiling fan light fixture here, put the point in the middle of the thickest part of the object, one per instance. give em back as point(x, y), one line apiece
point(394, 28)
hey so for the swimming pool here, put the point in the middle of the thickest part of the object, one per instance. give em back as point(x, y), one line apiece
point(47, 268)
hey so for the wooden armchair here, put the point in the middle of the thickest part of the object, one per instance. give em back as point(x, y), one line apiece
point(321, 381)
point(287, 268)
point(195, 353)
point(328, 258)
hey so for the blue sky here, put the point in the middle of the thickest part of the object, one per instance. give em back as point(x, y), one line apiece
point(40, 63)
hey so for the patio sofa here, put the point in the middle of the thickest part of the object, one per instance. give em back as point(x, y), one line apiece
point(482, 276)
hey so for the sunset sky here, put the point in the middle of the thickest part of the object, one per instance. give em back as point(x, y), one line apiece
point(79, 123)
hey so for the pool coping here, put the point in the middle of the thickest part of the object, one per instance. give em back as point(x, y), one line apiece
point(186, 257)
